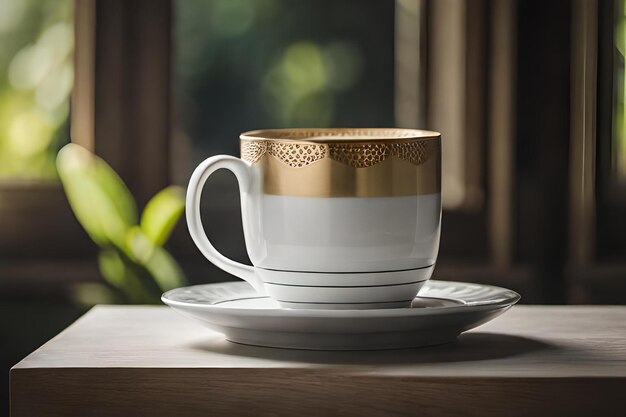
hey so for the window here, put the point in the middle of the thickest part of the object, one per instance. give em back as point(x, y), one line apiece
point(155, 105)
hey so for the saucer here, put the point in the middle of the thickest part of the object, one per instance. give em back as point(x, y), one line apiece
point(441, 312)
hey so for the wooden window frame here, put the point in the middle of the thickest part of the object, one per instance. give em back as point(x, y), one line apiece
point(444, 89)
point(485, 108)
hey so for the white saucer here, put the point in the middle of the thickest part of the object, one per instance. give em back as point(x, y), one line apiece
point(441, 312)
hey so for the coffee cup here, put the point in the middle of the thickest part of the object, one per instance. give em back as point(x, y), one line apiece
point(332, 218)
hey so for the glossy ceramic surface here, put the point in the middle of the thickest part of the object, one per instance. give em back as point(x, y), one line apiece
point(342, 234)
point(441, 312)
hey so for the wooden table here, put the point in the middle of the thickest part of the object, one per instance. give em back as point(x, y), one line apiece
point(150, 361)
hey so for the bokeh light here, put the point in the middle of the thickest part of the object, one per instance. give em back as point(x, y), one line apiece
point(301, 86)
point(36, 78)
point(248, 64)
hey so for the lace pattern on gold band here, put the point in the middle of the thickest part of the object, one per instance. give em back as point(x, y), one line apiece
point(356, 155)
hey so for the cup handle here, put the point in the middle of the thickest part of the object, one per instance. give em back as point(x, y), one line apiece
point(199, 177)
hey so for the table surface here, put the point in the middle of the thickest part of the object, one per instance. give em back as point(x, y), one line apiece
point(557, 360)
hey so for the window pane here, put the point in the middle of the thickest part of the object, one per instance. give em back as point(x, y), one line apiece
point(36, 73)
point(250, 64)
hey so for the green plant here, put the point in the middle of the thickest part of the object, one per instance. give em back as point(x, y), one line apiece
point(132, 258)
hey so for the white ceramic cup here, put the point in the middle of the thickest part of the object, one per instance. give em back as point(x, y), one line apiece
point(332, 218)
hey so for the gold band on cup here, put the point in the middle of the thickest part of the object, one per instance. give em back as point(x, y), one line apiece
point(345, 162)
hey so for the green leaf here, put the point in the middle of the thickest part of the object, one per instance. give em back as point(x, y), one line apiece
point(132, 279)
point(137, 246)
point(161, 266)
point(132, 259)
point(162, 213)
point(99, 198)
point(112, 267)
point(165, 270)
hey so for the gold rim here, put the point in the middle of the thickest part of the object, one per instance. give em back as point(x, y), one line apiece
point(345, 162)
point(355, 154)
point(338, 135)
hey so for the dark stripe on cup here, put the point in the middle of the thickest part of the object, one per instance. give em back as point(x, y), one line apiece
point(347, 286)
point(347, 272)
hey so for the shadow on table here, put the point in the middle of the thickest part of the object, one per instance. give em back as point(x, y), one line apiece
point(474, 346)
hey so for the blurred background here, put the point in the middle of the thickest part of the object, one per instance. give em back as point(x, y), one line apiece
point(529, 97)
